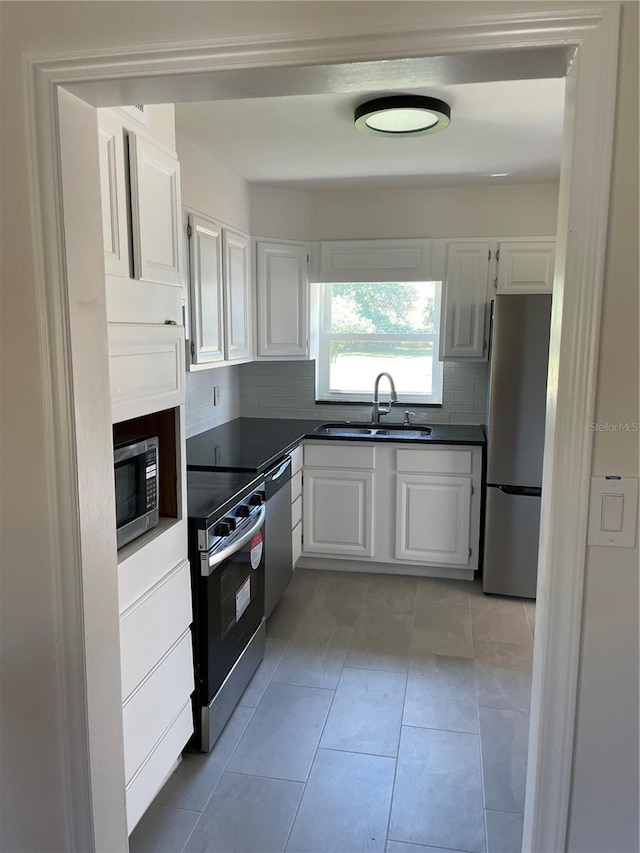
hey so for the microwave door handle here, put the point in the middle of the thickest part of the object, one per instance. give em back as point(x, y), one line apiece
point(209, 564)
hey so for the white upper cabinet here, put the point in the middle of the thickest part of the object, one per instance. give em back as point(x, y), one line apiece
point(206, 292)
point(282, 303)
point(375, 260)
point(463, 332)
point(237, 295)
point(220, 292)
point(526, 266)
point(114, 195)
point(155, 211)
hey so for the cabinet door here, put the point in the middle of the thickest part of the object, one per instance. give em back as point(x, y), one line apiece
point(526, 267)
point(205, 285)
point(113, 189)
point(375, 260)
point(237, 296)
point(432, 519)
point(282, 284)
point(338, 513)
point(146, 368)
point(155, 211)
point(465, 297)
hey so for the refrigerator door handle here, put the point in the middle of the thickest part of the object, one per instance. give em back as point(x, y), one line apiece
point(529, 491)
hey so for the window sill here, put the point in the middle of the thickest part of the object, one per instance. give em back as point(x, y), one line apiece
point(399, 405)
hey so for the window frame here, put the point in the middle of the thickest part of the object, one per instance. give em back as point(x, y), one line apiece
point(323, 358)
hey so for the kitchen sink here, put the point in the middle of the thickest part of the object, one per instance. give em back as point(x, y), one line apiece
point(405, 431)
point(395, 431)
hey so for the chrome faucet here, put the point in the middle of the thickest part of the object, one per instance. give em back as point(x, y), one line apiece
point(377, 412)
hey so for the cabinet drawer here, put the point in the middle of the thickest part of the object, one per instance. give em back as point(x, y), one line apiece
point(146, 784)
point(146, 366)
point(296, 543)
point(296, 511)
point(296, 460)
point(330, 455)
point(152, 625)
point(145, 567)
point(433, 461)
point(296, 486)
point(148, 712)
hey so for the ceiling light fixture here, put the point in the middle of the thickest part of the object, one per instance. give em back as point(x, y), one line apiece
point(402, 115)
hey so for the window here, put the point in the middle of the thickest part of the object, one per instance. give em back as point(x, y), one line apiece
point(367, 327)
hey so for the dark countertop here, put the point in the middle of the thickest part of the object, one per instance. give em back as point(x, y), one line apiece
point(255, 444)
point(211, 494)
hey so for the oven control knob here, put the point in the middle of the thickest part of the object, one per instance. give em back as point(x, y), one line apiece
point(222, 528)
point(256, 499)
point(230, 520)
point(243, 511)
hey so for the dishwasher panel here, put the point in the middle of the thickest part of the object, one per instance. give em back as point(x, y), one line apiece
point(278, 570)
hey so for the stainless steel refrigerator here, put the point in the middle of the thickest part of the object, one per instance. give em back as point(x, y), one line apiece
point(515, 442)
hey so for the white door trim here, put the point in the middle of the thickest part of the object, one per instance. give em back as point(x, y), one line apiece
point(574, 343)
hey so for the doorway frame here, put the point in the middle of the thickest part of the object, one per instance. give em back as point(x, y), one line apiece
point(582, 233)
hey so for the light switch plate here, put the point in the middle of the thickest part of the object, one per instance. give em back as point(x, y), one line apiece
point(613, 511)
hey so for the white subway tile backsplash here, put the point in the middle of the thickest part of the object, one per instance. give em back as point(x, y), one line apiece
point(201, 414)
point(459, 385)
point(458, 408)
point(287, 390)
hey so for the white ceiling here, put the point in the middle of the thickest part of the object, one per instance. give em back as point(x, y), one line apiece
point(308, 142)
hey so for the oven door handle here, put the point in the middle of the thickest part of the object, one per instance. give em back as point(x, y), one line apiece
point(209, 564)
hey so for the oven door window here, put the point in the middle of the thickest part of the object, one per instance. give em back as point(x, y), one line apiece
point(234, 593)
point(130, 489)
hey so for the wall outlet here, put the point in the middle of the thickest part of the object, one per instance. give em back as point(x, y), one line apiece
point(216, 395)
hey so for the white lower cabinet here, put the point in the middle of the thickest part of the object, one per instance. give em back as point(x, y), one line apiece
point(433, 518)
point(156, 658)
point(296, 504)
point(151, 709)
point(146, 783)
point(338, 512)
point(422, 517)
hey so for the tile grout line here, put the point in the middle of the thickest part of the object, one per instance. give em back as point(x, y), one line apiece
point(322, 732)
point(395, 769)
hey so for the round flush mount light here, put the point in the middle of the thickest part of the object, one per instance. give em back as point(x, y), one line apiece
point(402, 116)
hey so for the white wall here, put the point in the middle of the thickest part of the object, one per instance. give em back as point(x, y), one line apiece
point(280, 214)
point(210, 188)
point(162, 123)
point(503, 211)
point(605, 795)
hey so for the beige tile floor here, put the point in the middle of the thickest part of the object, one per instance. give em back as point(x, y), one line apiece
point(389, 714)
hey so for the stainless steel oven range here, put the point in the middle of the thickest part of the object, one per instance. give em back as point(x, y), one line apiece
point(227, 556)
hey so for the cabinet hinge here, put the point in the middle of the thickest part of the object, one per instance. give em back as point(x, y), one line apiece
point(193, 350)
point(470, 552)
point(495, 282)
point(472, 489)
point(484, 345)
point(308, 258)
point(489, 254)
point(189, 230)
point(498, 255)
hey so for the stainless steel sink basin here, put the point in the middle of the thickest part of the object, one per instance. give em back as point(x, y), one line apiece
point(391, 431)
point(344, 429)
point(405, 431)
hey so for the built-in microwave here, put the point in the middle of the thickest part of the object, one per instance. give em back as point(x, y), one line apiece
point(136, 475)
